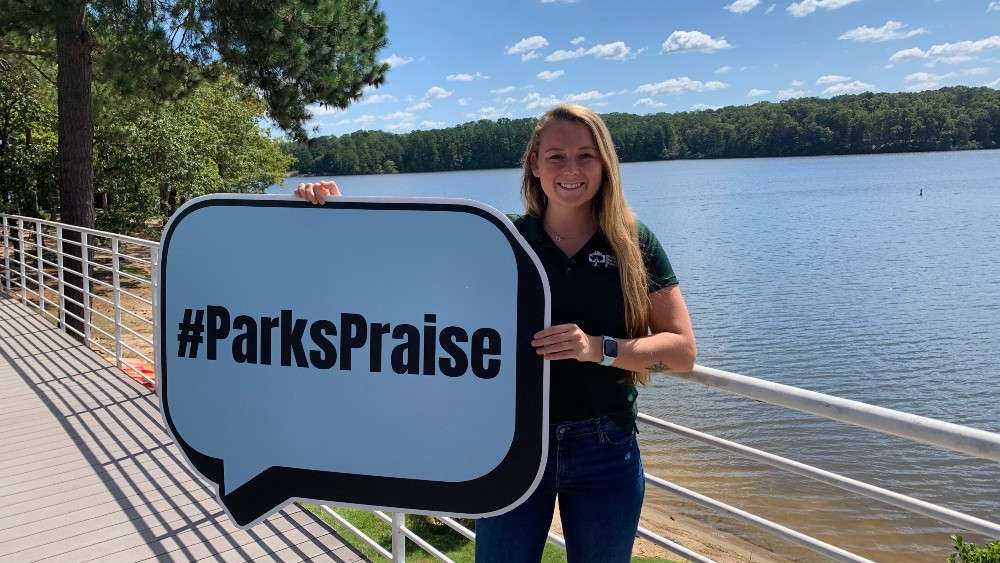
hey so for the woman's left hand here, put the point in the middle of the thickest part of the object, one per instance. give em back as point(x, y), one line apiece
point(568, 341)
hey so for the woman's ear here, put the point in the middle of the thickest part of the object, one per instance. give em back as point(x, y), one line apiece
point(533, 163)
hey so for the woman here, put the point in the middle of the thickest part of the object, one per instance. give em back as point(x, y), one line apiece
point(617, 314)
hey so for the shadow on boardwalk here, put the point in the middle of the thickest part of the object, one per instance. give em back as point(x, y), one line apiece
point(87, 472)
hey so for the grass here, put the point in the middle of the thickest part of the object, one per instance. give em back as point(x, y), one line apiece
point(443, 538)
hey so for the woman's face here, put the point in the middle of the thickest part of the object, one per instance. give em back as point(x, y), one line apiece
point(568, 164)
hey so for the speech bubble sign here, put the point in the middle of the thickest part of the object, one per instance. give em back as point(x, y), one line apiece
point(370, 352)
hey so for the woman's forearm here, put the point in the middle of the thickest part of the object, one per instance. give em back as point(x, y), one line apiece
point(664, 351)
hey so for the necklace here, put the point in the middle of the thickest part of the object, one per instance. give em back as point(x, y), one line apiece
point(560, 238)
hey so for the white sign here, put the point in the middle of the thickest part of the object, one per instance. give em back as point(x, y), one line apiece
point(371, 352)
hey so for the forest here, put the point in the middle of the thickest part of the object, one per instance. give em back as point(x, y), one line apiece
point(955, 118)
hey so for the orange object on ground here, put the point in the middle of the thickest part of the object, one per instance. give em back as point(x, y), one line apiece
point(133, 367)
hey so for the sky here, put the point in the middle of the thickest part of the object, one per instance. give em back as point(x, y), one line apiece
point(455, 61)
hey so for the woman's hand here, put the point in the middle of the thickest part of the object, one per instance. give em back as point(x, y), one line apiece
point(316, 192)
point(562, 342)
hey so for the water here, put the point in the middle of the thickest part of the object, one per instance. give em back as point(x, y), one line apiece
point(832, 274)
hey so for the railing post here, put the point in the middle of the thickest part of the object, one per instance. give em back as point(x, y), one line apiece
point(398, 538)
point(20, 256)
point(40, 264)
point(85, 269)
point(62, 283)
point(118, 302)
point(6, 257)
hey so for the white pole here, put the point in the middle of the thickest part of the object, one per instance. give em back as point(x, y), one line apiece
point(62, 282)
point(20, 256)
point(6, 257)
point(118, 303)
point(398, 538)
point(41, 268)
point(85, 256)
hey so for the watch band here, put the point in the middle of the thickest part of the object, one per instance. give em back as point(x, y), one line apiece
point(609, 350)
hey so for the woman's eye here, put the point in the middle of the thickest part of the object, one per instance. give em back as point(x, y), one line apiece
point(556, 157)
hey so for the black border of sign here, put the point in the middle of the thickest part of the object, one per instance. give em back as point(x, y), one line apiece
point(493, 493)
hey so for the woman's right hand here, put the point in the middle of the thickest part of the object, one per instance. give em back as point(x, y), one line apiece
point(316, 192)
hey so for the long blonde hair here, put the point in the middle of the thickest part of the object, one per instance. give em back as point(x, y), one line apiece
point(611, 212)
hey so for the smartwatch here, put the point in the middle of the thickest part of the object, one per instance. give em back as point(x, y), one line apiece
point(609, 349)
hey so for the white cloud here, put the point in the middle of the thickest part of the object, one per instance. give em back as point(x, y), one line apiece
point(831, 79)
point(978, 71)
point(577, 40)
point(756, 92)
point(535, 100)
point(419, 106)
point(549, 75)
point(679, 86)
point(650, 102)
point(365, 119)
point(509, 100)
point(892, 30)
point(589, 96)
point(771, 8)
point(949, 53)
point(464, 101)
point(503, 90)
point(565, 55)
point(466, 77)
point(742, 6)
point(399, 115)
point(790, 93)
point(432, 124)
point(395, 60)
point(806, 7)
point(317, 110)
point(702, 107)
point(994, 6)
point(693, 41)
point(919, 81)
point(527, 47)
point(436, 93)
point(615, 51)
point(376, 99)
point(798, 83)
point(401, 126)
point(618, 51)
point(995, 84)
point(855, 87)
point(723, 69)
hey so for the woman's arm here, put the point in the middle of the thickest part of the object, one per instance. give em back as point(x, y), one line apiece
point(670, 347)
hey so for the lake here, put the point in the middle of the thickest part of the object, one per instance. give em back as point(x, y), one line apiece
point(829, 273)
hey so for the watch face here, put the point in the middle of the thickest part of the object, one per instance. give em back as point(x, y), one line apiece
point(611, 347)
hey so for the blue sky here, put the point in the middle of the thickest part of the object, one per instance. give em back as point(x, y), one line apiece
point(456, 61)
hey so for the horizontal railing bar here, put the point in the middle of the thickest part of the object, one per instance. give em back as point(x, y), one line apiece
point(345, 523)
point(416, 539)
point(137, 317)
point(797, 537)
point(907, 503)
point(137, 335)
point(136, 278)
point(102, 266)
point(137, 353)
point(98, 329)
point(953, 437)
point(672, 546)
point(136, 297)
point(136, 258)
point(73, 301)
point(454, 525)
point(105, 284)
point(102, 315)
point(103, 349)
point(128, 239)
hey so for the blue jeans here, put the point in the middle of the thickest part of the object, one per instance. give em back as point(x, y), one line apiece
point(594, 468)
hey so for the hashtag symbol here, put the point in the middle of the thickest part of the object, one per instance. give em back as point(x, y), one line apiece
point(190, 335)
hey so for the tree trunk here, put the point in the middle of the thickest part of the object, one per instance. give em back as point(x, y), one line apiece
point(76, 181)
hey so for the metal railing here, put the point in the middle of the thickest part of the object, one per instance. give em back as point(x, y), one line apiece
point(117, 270)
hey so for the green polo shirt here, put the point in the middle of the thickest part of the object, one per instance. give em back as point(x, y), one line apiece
point(586, 290)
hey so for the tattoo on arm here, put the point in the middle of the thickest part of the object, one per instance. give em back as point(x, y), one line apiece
point(658, 366)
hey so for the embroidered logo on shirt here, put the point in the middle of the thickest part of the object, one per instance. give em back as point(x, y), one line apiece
point(598, 259)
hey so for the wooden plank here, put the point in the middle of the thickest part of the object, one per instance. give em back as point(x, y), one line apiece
point(87, 471)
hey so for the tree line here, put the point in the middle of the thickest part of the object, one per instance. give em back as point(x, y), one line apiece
point(954, 118)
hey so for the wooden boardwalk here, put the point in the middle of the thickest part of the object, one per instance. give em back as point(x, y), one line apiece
point(87, 472)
